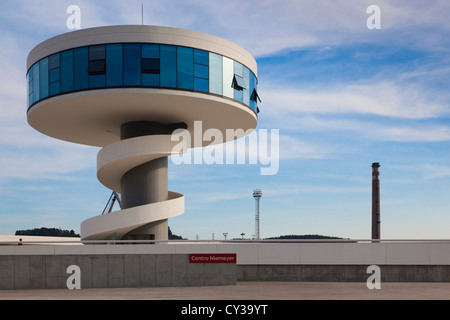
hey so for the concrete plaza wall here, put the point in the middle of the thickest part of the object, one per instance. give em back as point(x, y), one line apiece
point(134, 265)
point(112, 271)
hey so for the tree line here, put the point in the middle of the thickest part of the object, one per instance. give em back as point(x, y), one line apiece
point(47, 232)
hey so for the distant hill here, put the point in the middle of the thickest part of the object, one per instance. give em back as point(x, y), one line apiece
point(305, 236)
point(47, 232)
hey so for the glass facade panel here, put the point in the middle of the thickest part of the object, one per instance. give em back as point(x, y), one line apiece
point(81, 61)
point(238, 69)
point(150, 51)
point(201, 84)
point(148, 65)
point(168, 63)
point(97, 52)
point(53, 88)
point(132, 64)
point(36, 82)
point(215, 73)
point(67, 71)
point(43, 78)
point(54, 75)
point(239, 72)
point(252, 86)
point(53, 61)
point(97, 81)
point(114, 65)
point(201, 57)
point(150, 80)
point(185, 68)
point(246, 93)
point(30, 87)
point(228, 75)
point(201, 71)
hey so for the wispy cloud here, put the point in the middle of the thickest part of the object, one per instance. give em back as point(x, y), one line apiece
point(383, 99)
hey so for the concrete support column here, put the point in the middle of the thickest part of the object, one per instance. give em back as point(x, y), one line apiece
point(148, 182)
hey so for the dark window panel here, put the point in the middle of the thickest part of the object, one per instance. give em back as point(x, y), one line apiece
point(53, 61)
point(255, 97)
point(97, 67)
point(238, 83)
point(150, 65)
point(97, 52)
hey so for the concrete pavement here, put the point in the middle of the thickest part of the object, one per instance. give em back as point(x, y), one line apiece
point(249, 291)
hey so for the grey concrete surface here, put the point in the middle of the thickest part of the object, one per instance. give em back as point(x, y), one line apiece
point(248, 291)
point(112, 271)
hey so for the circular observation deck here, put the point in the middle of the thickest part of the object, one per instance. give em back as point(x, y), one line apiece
point(83, 85)
point(125, 89)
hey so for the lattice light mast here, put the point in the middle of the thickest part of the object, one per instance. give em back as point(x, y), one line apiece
point(257, 194)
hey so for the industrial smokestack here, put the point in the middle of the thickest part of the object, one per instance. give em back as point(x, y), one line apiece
point(376, 200)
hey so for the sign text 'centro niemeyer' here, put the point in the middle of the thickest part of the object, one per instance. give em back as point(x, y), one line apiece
point(212, 258)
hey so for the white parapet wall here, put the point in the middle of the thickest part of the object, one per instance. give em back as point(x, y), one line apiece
point(419, 252)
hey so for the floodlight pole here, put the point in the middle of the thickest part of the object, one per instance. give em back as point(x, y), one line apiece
point(257, 194)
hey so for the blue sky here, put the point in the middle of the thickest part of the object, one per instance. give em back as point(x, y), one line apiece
point(342, 96)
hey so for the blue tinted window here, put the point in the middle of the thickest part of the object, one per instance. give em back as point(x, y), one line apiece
point(54, 75)
point(201, 84)
point(150, 51)
point(81, 61)
point(43, 78)
point(252, 87)
point(97, 81)
point(201, 57)
point(53, 61)
point(215, 73)
point(53, 88)
point(150, 80)
point(168, 65)
point(36, 82)
point(30, 87)
point(238, 81)
point(132, 64)
point(201, 71)
point(67, 71)
point(185, 68)
point(238, 69)
point(97, 52)
point(114, 73)
point(238, 95)
point(246, 93)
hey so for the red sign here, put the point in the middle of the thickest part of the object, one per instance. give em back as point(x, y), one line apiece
point(212, 258)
